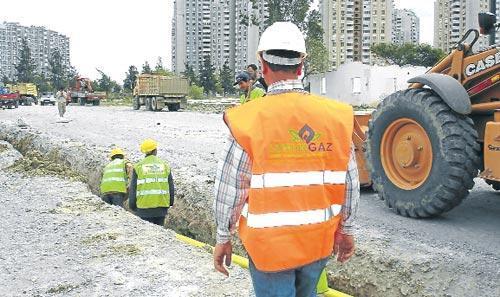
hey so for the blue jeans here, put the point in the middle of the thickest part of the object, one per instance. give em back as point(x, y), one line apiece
point(299, 282)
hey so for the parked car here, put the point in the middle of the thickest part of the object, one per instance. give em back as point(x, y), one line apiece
point(47, 98)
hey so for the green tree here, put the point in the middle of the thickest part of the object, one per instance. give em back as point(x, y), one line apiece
point(191, 75)
point(106, 84)
point(130, 79)
point(294, 11)
point(317, 60)
point(227, 79)
point(58, 76)
point(6, 80)
point(160, 69)
point(42, 83)
point(218, 85)
point(408, 54)
point(71, 74)
point(195, 92)
point(146, 69)
point(25, 66)
point(207, 76)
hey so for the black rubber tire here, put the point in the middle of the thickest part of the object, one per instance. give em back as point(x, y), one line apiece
point(96, 102)
point(154, 104)
point(16, 103)
point(82, 101)
point(149, 105)
point(456, 153)
point(41, 103)
point(136, 105)
point(494, 184)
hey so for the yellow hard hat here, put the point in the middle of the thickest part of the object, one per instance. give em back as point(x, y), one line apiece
point(148, 145)
point(116, 151)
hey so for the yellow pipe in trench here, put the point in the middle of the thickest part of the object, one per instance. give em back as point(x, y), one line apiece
point(243, 262)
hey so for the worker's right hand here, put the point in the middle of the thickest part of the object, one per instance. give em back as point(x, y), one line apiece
point(222, 253)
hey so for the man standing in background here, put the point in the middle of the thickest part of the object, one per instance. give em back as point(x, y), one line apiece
point(61, 101)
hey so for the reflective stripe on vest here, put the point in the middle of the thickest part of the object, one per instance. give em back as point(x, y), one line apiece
point(290, 179)
point(294, 218)
point(152, 183)
point(114, 177)
point(151, 192)
point(300, 146)
point(152, 180)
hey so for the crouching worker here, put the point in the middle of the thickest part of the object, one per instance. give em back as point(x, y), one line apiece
point(151, 186)
point(114, 178)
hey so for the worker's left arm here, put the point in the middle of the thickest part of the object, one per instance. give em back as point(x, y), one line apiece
point(344, 239)
point(352, 193)
point(171, 189)
point(232, 183)
point(132, 194)
point(129, 167)
point(231, 191)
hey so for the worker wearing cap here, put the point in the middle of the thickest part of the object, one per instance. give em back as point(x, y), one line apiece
point(152, 186)
point(250, 92)
point(288, 175)
point(114, 178)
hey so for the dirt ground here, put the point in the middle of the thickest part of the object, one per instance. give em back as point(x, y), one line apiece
point(58, 239)
point(456, 254)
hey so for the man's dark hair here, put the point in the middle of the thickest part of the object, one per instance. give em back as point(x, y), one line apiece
point(284, 54)
point(61, 89)
point(117, 157)
point(253, 66)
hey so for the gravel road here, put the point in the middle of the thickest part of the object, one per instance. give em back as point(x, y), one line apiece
point(58, 239)
point(456, 254)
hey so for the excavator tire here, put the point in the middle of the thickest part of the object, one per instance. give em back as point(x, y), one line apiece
point(423, 157)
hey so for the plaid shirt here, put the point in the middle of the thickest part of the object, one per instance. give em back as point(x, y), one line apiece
point(234, 173)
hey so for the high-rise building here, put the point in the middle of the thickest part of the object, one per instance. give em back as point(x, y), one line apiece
point(405, 27)
point(225, 30)
point(351, 27)
point(41, 41)
point(452, 18)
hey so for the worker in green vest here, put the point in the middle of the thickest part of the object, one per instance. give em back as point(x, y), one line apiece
point(114, 178)
point(246, 84)
point(151, 186)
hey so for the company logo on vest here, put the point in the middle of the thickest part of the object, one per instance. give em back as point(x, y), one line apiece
point(302, 143)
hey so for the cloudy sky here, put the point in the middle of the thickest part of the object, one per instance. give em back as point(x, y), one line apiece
point(113, 34)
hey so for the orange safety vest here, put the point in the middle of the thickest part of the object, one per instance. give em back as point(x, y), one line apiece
point(300, 146)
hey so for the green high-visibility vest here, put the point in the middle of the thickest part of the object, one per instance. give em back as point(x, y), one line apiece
point(152, 183)
point(114, 178)
point(254, 94)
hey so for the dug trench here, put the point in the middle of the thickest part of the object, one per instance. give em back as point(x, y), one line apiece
point(380, 267)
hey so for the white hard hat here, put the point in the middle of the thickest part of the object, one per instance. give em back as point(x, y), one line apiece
point(282, 36)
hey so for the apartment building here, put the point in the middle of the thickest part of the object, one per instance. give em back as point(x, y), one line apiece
point(452, 18)
point(227, 31)
point(405, 27)
point(41, 41)
point(351, 27)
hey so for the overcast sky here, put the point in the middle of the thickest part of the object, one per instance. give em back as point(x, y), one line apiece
point(113, 34)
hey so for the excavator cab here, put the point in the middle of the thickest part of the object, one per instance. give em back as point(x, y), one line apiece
point(487, 23)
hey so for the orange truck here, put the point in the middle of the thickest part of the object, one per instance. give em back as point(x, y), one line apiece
point(82, 93)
